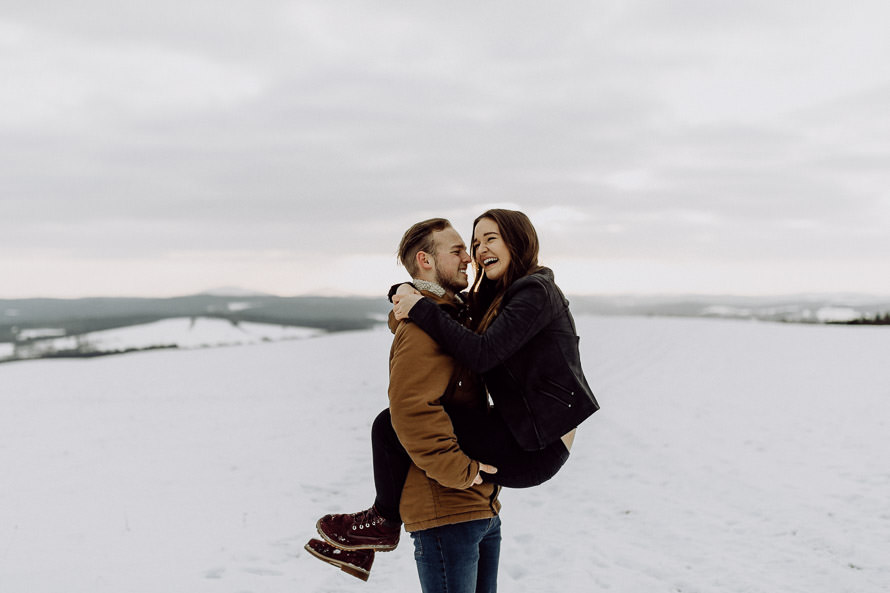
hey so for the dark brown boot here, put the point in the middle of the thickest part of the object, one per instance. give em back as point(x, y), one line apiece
point(365, 530)
point(356, 562)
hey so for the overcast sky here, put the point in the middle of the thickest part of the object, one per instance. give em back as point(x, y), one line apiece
point(163, 148)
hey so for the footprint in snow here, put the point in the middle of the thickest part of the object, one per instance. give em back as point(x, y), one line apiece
point(216, 573)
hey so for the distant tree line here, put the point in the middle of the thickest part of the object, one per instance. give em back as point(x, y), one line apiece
point(876, 319)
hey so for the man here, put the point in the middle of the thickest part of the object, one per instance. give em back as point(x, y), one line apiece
point(451, 514)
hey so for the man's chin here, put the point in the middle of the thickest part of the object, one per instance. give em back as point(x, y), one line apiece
point(454, 287)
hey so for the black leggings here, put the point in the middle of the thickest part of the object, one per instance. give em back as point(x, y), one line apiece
point(485, 439)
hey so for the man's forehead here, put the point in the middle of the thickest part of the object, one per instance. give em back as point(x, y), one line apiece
point(449, 238)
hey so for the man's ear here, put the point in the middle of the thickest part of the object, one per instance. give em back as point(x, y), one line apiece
point(424, 261)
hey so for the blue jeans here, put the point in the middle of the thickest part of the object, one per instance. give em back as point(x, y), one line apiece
point(459, 558)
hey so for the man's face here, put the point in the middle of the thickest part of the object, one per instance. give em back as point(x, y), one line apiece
point(451, 260)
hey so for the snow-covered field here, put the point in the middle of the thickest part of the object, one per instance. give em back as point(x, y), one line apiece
point(729, 456)
point(182, 332)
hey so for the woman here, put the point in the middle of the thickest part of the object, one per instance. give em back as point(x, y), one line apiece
point(524, 345)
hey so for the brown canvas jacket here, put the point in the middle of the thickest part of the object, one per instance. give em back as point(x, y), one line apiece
point(423, 378)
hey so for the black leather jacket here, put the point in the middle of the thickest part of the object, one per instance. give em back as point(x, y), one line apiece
point(528, 356)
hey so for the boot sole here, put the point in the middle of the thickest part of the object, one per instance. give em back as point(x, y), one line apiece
point(376, 548)
point(359, 573)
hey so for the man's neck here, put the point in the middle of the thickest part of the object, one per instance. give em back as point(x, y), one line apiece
point(433, 287)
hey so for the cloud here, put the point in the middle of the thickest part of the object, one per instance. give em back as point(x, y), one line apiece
point(627, 130)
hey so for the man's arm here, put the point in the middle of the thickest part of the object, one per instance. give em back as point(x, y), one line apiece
point(419, 375)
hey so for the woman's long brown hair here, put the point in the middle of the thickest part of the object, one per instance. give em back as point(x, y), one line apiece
point(521, 240)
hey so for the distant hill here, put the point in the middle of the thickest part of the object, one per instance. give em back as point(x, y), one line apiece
point(41, 328)
point(790, 309)
point(80, 316)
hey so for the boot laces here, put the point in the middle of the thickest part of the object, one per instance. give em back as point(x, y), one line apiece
point(365, 519)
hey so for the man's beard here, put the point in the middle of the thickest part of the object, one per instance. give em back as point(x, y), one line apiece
point(451, 285)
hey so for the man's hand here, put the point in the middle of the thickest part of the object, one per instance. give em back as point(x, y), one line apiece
point(489, 469)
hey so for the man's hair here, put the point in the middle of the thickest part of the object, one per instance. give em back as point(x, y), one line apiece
point(419, 238)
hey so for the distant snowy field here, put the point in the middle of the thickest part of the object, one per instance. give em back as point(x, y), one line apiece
point(729, 456)
point(182, 332)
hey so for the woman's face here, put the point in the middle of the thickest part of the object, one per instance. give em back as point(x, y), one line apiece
point(490, 251)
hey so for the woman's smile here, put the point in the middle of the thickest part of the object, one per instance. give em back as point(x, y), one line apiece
point(492, 253)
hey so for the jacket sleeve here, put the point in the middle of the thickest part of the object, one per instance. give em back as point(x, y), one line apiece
point(526, 313)
point(419, 376)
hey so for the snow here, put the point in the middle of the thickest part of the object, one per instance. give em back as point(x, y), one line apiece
point(239, 306)
point(42, 332)
point(729, 456)
point(184, 332)
point(195, 332)
point(727, 311)
point(825, 314)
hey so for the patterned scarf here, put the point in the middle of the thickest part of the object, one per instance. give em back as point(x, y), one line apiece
point(427, 286)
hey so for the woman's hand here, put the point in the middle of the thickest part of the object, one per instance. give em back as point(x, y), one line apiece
point(404, 289)
point(403, 300)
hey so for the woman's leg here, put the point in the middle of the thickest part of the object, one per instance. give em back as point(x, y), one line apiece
point(489, 440)
point(378, 527)
point(391, 465)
